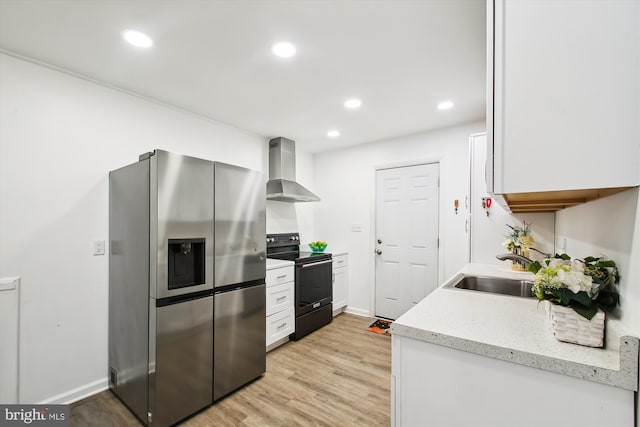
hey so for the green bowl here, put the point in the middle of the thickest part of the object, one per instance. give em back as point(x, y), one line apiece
point(317, 248)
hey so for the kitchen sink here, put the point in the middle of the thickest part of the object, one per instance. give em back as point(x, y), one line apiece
point(494, 285)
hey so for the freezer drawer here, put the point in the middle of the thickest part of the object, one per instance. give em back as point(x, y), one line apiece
point(184, 359)
point(239, 354)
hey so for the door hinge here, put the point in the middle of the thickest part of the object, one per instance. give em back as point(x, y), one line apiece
point(438, 243)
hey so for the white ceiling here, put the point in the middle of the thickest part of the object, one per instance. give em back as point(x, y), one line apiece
point(213, 58)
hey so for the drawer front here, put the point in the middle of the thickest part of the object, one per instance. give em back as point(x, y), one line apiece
point(280, 325)
point(279, 297)
point(280, 275)
point(339, 261)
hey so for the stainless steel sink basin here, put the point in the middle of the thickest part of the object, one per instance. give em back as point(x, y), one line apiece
point(494, 285)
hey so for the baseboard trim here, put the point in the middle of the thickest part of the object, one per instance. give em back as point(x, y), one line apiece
point(338, 311)
point(78, 393)
point(357, 312)
point(278, 343)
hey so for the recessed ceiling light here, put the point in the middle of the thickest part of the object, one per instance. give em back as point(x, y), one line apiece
point(445, 105)
point(333, 133)
point(137, 38)
point(283, 49)
point(352, 103)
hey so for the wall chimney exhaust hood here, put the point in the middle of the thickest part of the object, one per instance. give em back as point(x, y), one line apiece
point(282, 185)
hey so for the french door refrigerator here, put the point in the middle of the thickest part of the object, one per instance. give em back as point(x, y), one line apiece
point(180, 229)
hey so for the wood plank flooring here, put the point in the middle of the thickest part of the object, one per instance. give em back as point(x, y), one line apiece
point(337, 376)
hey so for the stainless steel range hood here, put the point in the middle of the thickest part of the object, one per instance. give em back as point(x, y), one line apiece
point(282, 185)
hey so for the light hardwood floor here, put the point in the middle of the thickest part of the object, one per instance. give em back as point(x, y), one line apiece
point(337, 376)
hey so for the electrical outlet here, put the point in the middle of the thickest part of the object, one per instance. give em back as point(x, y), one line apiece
point(98, 247)
point(356, 228)
point(562, 245)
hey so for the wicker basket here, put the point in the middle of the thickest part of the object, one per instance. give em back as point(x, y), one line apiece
point(569, 326)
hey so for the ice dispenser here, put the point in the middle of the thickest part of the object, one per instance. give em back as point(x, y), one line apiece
point(186, 262)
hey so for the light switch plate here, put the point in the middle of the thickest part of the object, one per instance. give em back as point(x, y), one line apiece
point(98, 247)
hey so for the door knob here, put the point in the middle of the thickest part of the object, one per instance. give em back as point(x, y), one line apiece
point(379, 241)
point(379, 252)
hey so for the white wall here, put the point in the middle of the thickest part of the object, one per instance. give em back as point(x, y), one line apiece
point(59, 138)
point(488, 232)
point(345, 179)
point(611, 227)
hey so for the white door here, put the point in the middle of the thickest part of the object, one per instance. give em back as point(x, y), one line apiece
point(406, 237)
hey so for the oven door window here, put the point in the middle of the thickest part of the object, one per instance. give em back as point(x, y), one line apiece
point(313, 284)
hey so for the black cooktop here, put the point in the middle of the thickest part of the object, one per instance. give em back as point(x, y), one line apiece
point(301, 257)
point(286, 246)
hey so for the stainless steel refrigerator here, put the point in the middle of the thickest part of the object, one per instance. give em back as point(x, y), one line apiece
point(168, 252)
point(239, 354)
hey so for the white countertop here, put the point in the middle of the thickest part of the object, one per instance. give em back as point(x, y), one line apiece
point(517, 330)
point(338, 252)
point(278, 263)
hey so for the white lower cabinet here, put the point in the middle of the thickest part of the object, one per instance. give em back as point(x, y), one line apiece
point(280, 304)
point(340, 282)
point(279, 297)
point(441, 386)
point(280, 325)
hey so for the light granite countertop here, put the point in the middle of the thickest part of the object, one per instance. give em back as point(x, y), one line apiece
point(516, 330)
point(278, 263)
point(338, 253)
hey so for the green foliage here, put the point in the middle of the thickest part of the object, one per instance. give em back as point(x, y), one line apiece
point(586, 312)
point(603, 273)
point(567, 297)
point(534, 267)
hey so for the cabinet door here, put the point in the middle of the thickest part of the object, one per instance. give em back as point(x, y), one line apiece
point(280, 325)
point(566, 94)
point(280, 275)
point(279, 297)
point(340, 283)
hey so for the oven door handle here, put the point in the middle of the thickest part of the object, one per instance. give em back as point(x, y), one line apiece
point(313, 264)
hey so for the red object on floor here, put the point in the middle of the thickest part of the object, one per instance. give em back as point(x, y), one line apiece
point(380, 327)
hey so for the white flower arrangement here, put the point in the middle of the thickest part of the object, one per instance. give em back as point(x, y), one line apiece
point(519, 238)
point(583, 285)
point(560, 273)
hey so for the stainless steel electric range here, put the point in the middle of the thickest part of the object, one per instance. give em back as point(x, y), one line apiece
point(313, 282)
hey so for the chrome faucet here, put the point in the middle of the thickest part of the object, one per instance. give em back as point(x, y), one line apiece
point(544, 254)
point(514, 257)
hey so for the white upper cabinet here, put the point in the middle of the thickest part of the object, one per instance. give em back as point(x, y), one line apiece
point(563, 95)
